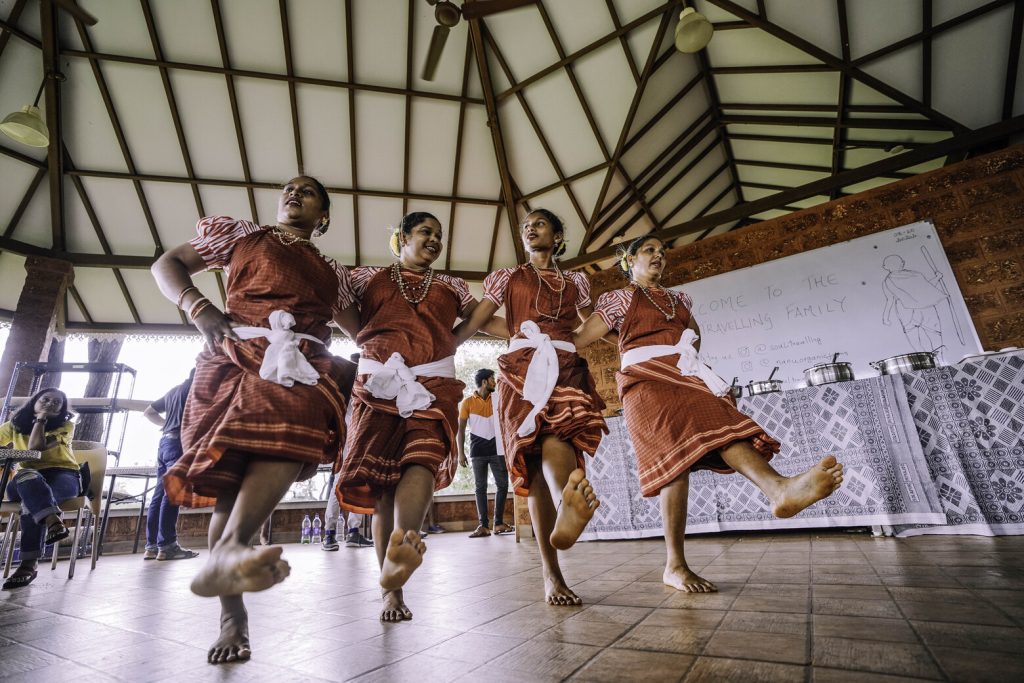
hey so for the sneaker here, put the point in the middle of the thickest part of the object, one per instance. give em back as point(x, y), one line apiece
point(357, 540)
point(330, 542)
point(503, 529)
point(175, 552)
point(436, 529)
point(150, 554)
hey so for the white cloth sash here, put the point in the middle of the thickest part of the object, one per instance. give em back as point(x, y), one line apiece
point(689, 365)
point(396, 380)
point(542, 373)
point(283, 362)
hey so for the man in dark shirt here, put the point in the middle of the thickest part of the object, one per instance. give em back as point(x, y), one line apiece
point(162, 518)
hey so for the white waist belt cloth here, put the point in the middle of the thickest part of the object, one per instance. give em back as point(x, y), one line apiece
point(396, 380)
point(689, 365)
point(283, 363)
point(542, 373)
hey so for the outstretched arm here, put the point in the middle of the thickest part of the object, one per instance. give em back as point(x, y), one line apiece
point(590, 331)
point(348, 320)
point(173, 273)
point(477, 316)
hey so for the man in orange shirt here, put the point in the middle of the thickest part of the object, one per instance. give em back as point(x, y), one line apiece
point(477, 412)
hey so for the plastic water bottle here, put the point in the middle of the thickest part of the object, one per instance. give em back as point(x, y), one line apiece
point(307, 530)
point(318, 526)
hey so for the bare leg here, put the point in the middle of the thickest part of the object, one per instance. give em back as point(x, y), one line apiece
point(788, 495)
point(234, 567)
point(413, 496)
point(544, 516)
point(578, 503)
point(394, 608)
point(674, 503)
point(233, 642)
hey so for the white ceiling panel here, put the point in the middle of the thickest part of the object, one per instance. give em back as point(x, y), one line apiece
point(252, 31)
point(101, 295)
point(434, 136)
point(505, 249)
point(562, 121)
point(478, 170)
point(579, 23)
point(339, 242)
point(779, 88)
point(379, 40)
point(120, 29)
point(151, 304)
point(314, 27)
point(377, 218)
point(817, 22)
point(380, 127)
point(120, 216)
point(209, 128)
point(746, 46)
point(471, 237)
point(265, 112)
point(903, 70)
point(228, 201)
point(174, 211)
point(187, 32)
point(604, 77)
point(79, 232)
point(12, 279)
point(34, 226)
point(324, 120)
point(87, 129)
point(524, 58)
point(526, 157)
point(873, 24)
point(17, 180)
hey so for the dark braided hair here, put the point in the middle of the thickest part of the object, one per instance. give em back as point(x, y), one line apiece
point(408, 222)
point(23, 418)
point(558, 226)
point(631, 249)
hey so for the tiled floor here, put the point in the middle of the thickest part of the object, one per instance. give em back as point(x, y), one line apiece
point(833, 607)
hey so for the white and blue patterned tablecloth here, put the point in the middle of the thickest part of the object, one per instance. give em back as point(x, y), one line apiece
point(936, 451)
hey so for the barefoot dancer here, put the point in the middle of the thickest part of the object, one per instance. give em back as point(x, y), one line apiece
point(401, 445)
point(677, 411)
point(265, 412)
point(548, 406)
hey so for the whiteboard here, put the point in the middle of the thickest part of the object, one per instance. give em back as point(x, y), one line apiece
point(870, 298)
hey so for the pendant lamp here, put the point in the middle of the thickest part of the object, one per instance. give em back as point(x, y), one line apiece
point(27, 125)
point(693, 32)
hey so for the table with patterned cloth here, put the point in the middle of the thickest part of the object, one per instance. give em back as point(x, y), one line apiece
point(867, 424)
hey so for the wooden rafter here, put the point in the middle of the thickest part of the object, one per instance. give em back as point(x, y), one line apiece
point(591, 120)
point(600, 42)
point(122, 140)
point(627, 124)
point(222, 41)
point(289, 67)
point(716, 113)
point(846, 67)
point(54, 121)
point(1013, 59)
point(795, 139)
point(12, 224)
point(497, 139)
point(81, 305)
point(350, 64)
point(839, 134)
point(12, 19)
point(926, 54)
point(9, 28)
point(24, 158)
point(458, 156)
point(830, 122)
point(853, 176)
point(623, 41)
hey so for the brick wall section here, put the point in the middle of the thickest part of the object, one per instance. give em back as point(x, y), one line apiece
point(978, 210)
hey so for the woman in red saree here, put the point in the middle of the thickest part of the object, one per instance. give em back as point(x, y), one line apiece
point(401, 444)
point(677, 410)
point(267, 404)
point(547, 403)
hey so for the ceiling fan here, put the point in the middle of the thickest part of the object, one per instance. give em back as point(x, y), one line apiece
point(447, 15)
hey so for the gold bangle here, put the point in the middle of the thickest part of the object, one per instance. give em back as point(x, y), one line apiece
point(195, 314)
point(181, 296)
point(198, 306)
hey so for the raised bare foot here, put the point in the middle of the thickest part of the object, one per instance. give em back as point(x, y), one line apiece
point(578, 505)
point(557, 593)
point(808, 488)
point(682, 579)
point(404, 555)
point(233, 643)
point(394, 609)
point(235, 569)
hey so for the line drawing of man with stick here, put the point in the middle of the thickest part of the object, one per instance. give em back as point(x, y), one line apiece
point(916, 298)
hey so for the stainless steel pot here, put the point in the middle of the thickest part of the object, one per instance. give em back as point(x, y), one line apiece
point(765, 386)
point(826, 373)
point(906, 362)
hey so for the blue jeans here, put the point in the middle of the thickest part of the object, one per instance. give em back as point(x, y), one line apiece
point(41, 492)
point(499, 470)
point(162, 517)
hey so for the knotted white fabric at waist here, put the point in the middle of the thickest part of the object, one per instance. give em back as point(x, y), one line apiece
point(542, 373)
point(689, 365)
point(283, 363)
point(396, 380)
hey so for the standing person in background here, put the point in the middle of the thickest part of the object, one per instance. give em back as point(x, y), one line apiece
point(352, 521)
point(162, 517)
point(477, 413)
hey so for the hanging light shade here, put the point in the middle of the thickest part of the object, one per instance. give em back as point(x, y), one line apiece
point(693, 32)
point(27, 127)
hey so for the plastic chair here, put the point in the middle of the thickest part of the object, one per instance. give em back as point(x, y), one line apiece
point(94, 453)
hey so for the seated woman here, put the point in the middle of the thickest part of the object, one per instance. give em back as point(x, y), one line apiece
point(42, 424)
point(677, 411)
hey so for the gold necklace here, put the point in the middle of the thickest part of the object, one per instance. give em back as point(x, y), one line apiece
point(536, 300)
point(669, 315)
point(289, 239)
point(413, 290)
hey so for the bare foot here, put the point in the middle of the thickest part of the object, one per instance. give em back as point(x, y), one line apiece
point(395, 609)
point(233, 643)
point(233, 570)
point(805, 489)
point(578, 505)
point(404, 555)
point(682, 579)
point(557, 593)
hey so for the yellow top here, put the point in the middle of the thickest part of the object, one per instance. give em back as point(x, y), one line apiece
point(58, 456)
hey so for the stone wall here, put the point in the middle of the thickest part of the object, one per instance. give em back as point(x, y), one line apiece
point(978, 210)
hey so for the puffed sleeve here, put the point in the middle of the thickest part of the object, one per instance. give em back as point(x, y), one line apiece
point(582, 288)
point(495, 285)
point(216, 237)
point(611, 307)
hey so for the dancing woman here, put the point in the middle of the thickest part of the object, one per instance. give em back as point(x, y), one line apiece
point(548, 406)
point(264, 412)
point(677, 411)
point(402, 444)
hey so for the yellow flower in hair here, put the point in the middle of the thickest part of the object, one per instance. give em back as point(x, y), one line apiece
point(624, 262)
point(393, 243)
